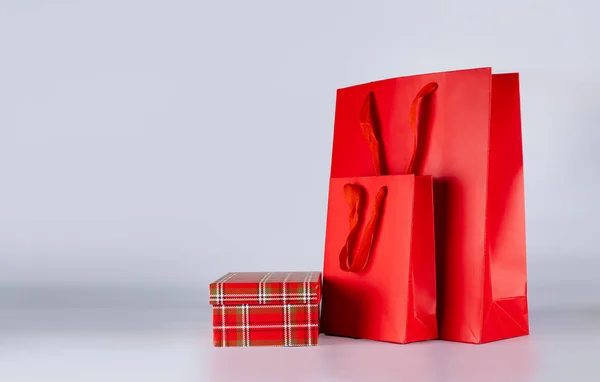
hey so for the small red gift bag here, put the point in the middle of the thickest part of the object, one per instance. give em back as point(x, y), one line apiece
point(266, 309)
point(383, 286)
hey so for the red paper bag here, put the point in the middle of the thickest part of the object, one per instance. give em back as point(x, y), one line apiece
point(380, 284)
point(470, 142)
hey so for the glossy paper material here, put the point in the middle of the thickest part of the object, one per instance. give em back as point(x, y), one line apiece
point(393, 298)
point(470, 142)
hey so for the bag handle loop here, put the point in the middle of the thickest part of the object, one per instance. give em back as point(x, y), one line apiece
point(355, 194)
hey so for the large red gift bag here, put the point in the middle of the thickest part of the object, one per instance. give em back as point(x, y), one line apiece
point(380, 243)
point(471, 145)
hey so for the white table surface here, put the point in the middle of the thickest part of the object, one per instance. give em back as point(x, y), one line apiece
point(88, 345)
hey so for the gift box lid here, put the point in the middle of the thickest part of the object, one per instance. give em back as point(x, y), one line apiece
point(271, 288)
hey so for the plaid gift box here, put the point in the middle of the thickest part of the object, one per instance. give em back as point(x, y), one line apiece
point(266, 309)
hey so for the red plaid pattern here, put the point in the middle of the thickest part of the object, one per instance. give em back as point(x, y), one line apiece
point(266, 309)
point(266, 325)
point(266, 288)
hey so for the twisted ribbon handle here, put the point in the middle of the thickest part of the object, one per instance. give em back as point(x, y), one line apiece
point(355, 198)
point(355, 194)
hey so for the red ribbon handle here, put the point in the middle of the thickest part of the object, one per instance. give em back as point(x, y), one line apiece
point(413, 117)
point(355, 198)
point(355, 195)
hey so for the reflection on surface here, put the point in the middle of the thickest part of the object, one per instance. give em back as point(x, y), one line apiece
point(561, 343)
point(145, 342)
point(359, 360)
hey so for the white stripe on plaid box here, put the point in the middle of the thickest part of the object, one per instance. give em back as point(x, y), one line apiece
point(220, 287)
point(223, 331)
point(246, 323)
point(243, 326)
point(221, 295)
point(286, 322)
point(284, 287)
point(305, 287)
point(262, 289)
point(300, 294)
point(285, 310)
point(265, 327)
point(306, 300)
point(271, 296)
point(224, 307)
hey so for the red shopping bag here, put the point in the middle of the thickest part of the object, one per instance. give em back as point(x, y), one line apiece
point(473, 150)
point(380, 284)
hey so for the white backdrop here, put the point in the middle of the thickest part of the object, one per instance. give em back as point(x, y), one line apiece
point(163, 143)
